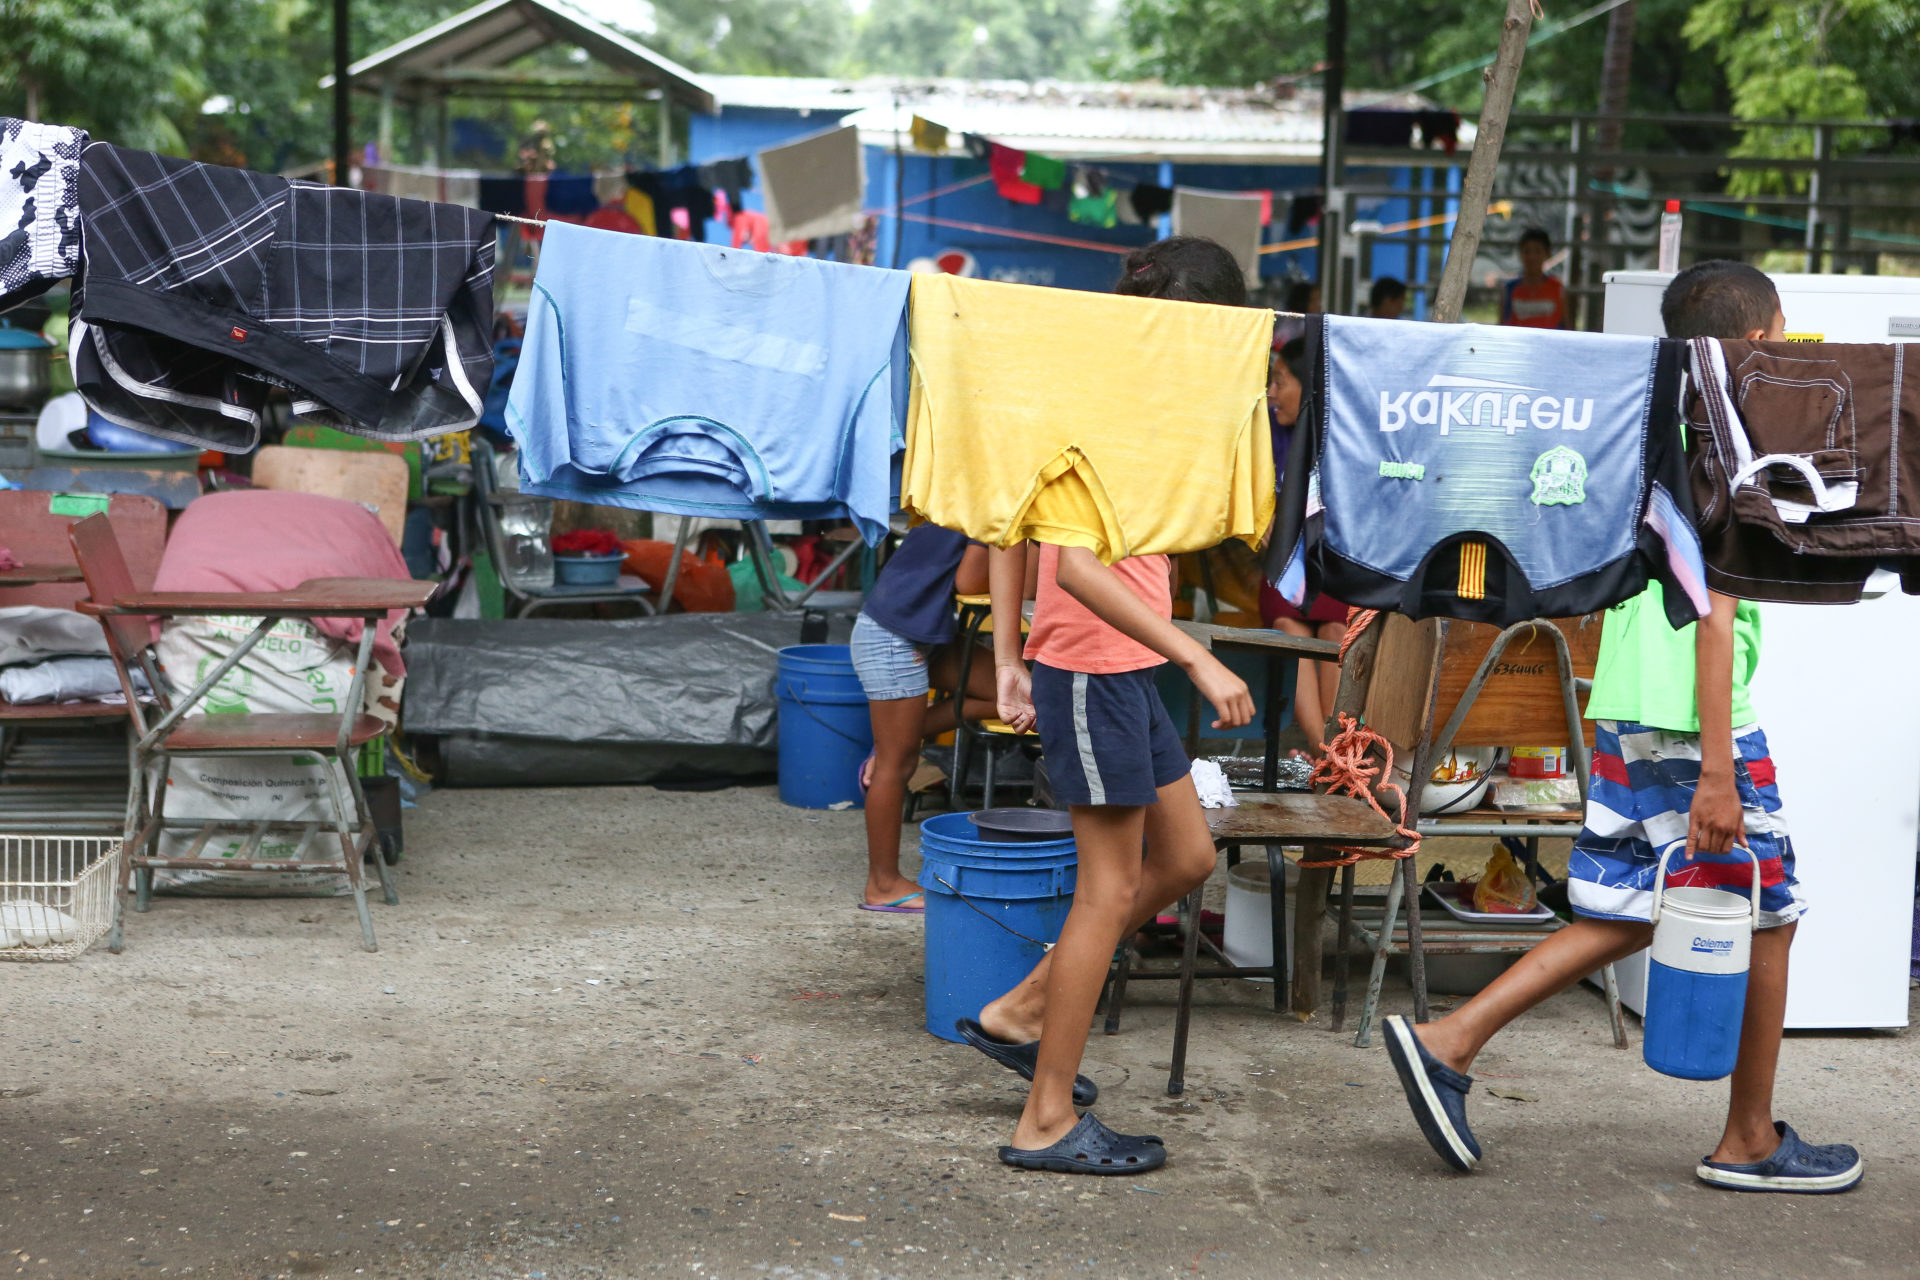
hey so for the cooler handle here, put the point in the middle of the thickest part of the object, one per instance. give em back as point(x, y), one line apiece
point(1660, 880)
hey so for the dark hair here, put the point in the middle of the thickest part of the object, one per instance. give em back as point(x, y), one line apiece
point(1539, 236)
point(1384, 288)
point(1718, 299)
point(1300, 296)
point(1184, 269)
point(1294, 356)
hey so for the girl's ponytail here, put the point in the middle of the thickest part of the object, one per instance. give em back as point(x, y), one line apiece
point(1184, 269)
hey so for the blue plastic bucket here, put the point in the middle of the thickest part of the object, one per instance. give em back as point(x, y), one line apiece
point(825, 734)
point(991, 908)
point(1697, 976)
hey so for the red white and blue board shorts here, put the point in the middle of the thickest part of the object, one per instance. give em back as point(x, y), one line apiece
point(1638, 798)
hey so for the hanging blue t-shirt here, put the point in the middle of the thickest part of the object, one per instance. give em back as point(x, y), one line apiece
point(701, 380)
point(913, 596)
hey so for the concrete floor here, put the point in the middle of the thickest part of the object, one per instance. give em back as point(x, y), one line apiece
point(625, 1032)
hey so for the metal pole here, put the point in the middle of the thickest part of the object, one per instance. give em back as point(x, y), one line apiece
point(1333, 87)
point(342, 96)
point(1501, 79)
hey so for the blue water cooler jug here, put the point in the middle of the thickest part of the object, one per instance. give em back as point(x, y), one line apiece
point(1697, 975)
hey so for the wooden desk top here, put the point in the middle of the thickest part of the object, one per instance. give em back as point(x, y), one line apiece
point(1259, 638)
point(1299, 817)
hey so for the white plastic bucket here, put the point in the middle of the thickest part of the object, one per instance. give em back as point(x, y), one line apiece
point(1248, 935)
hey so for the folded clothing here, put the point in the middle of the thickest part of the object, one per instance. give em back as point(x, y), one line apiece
point(33, 633)
point(689, 378)
point(39, 207)
point(1488, 474)
point(66, 680)
point(204, 284)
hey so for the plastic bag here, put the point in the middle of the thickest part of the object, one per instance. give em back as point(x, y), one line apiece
point(1504, 886)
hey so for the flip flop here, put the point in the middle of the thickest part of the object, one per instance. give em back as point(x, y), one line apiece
point(1091, 1147)
point(895, 907)
point(1020, 1058)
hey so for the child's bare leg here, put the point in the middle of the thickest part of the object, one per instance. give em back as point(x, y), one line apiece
point(943, 672)
point(1179, 856)
point(1104, 897)
point(1749, 1137)
point(1560, 960)
point(897, 729)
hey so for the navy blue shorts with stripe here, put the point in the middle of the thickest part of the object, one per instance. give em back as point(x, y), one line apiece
point(1107, 738)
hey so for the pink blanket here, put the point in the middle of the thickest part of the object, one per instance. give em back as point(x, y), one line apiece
point(274, 540)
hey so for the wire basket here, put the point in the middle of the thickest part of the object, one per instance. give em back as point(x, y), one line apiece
point(56, 894)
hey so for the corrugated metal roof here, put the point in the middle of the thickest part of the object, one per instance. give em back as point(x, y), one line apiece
point(1148, 121)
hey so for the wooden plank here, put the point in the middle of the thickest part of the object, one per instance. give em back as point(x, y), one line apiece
point(314, 598)
point(37, 536)
point(378, 480)
point(1520, 704)
point(1397, 698)
point(1292, 817)
point(1258, 638)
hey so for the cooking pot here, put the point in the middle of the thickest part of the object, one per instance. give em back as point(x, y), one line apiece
point(26, 369)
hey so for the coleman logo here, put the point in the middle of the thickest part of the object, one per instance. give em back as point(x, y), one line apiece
point(1713, 946)
point(1450, 402)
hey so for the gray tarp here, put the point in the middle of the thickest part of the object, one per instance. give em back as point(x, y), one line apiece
point(557, 700)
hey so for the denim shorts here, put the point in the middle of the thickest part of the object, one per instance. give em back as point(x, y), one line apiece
point(890, 666)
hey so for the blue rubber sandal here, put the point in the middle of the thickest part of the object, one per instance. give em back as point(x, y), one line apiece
point(1796, 1167)
point(1436, 1092)
point(1021, 1058)
point(1091, 1147)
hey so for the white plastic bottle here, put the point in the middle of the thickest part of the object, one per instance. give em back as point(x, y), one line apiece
point(1670, 237)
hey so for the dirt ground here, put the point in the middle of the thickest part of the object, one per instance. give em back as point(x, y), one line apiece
point(622, 1032)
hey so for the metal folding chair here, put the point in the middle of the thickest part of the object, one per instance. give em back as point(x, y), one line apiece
point(168, 729)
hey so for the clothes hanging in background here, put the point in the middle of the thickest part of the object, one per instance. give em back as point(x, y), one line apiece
point(503, 193)
point(639, 207)
point(204, 284)
point(1128, 426)
point(1303, 211)
point(1489, 474)
point(571, 194)
point(814, 187)
point(1380, 128)
point(978, 146)
point(729, 176)
point(609, 188)
point(707, 381)
point(1799, 474)
point(39, 207)
point(1005, 164)
point(1096, 211)
point(1044, 172)
point(1438, 128)
point(928, 136)
point(1150, 201)
point(1231, 219)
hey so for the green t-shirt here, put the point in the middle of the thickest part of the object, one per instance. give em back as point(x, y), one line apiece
point(1645, 672)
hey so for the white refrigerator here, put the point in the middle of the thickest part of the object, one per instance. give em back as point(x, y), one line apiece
point(1835, 694)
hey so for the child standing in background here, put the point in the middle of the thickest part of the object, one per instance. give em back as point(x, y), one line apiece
point(1116, 762)
point(901, 650)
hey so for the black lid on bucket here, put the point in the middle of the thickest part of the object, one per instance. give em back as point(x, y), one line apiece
point(1021, 826)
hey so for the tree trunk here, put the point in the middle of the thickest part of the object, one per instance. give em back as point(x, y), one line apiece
point(1616, 74)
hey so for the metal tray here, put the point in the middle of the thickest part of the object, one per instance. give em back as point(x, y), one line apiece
point(1465, 913)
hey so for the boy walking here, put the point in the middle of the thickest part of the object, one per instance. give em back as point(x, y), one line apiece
point(1677, 755)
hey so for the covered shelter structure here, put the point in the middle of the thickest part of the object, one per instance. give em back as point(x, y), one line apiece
point(472, 55)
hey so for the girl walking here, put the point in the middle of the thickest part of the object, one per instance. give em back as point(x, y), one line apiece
point(1116, 762)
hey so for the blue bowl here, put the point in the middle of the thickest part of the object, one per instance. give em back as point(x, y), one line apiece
point(588, 571)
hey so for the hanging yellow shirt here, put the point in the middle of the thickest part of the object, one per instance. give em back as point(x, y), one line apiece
point(1128, 426)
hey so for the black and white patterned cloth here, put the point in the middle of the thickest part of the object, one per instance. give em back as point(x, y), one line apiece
point(204, 285)
point(39, 207)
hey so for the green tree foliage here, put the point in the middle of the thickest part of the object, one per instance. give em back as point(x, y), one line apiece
point(984, 39)
point(1832, 60)
point(126, 69)
point(754, 37)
